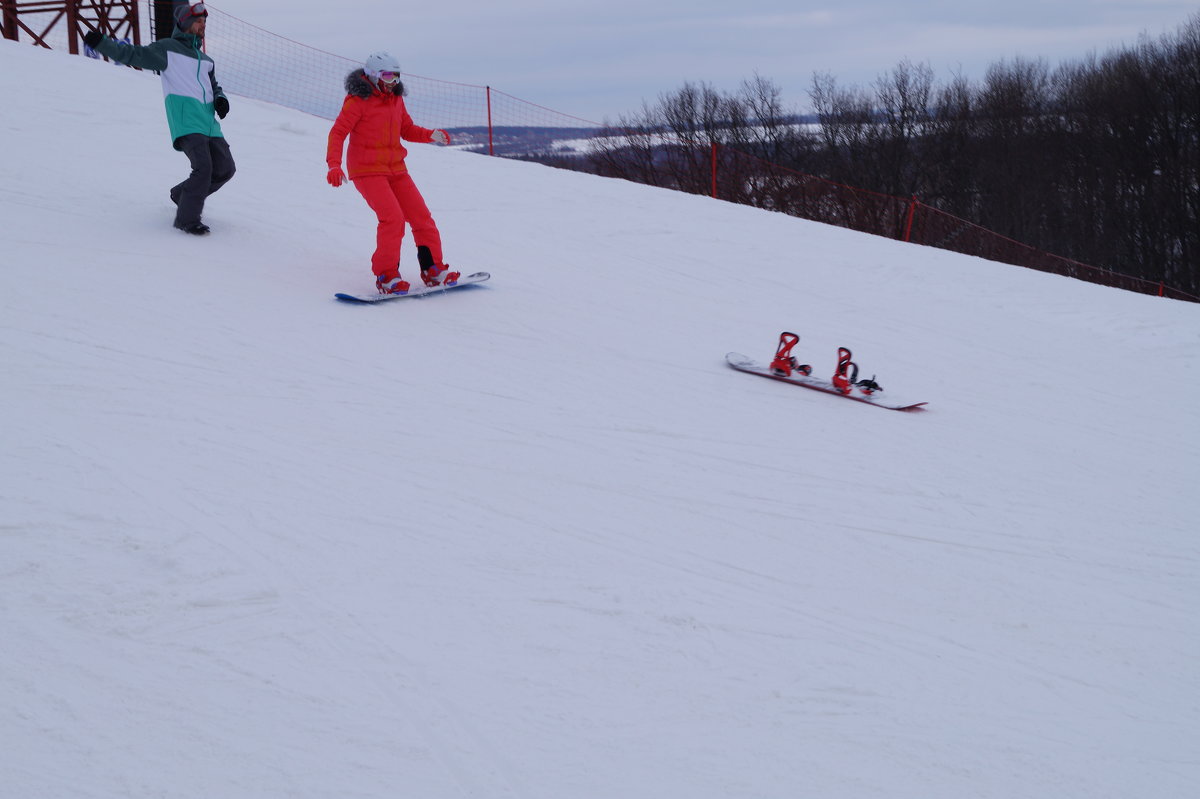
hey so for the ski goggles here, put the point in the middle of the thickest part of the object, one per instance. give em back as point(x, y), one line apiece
point(196, 10)
point(389, 77)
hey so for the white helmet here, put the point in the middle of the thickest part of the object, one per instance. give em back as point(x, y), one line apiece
point(380, 62)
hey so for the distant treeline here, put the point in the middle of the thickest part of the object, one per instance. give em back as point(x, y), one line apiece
point(1097, 160)
point(516, 140)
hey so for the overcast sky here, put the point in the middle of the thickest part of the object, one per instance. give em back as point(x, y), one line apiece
point(601, 60)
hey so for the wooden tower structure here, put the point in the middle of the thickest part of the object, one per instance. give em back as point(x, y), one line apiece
point(37, 21)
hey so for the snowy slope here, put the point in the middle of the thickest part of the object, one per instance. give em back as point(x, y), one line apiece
point(535, 539)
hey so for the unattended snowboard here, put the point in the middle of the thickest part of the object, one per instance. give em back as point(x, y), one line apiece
point(744, 363)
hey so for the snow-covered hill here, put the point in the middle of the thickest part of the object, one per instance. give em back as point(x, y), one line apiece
point(535, 539)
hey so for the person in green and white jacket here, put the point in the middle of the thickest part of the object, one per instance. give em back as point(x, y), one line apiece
point(192, 96)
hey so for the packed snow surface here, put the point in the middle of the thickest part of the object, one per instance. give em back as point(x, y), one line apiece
point(535, 539)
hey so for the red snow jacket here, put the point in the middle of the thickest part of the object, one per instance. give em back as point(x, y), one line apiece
point(375, 121)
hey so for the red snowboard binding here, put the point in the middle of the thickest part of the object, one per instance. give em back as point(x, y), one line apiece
point(846, 376)
point(847, 371)
point(785, 363)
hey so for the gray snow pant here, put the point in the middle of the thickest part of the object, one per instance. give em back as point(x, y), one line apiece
point(212, 167)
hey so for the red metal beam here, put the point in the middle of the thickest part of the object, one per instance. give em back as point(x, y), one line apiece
point(115, 18)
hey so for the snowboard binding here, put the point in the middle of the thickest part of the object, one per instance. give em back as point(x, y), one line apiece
point(847, 371)
point(845, 378)
point(785, 363)
point(869, 386)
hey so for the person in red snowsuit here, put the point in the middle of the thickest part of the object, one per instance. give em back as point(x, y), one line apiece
point(376, 120)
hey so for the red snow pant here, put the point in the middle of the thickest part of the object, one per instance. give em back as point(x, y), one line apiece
point(396, 200)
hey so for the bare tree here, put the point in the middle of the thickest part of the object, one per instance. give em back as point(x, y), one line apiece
point(903, 100)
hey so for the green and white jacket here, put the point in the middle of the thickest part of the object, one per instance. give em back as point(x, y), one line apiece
point(188, 80)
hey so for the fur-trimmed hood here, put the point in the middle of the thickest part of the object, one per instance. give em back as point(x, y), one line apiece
point(359, 86)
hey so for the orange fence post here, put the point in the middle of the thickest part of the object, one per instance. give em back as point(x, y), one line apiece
point(912, 210)
point(491, 143)
point(714, 170)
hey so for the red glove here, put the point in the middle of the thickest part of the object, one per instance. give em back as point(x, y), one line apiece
point(441, 137)
point(335, 176)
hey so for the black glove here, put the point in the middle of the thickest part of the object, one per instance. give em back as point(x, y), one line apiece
point(222, 106)
point(92, 38)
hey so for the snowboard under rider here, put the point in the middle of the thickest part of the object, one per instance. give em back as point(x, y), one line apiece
point(192, 95)
point(375, 119)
